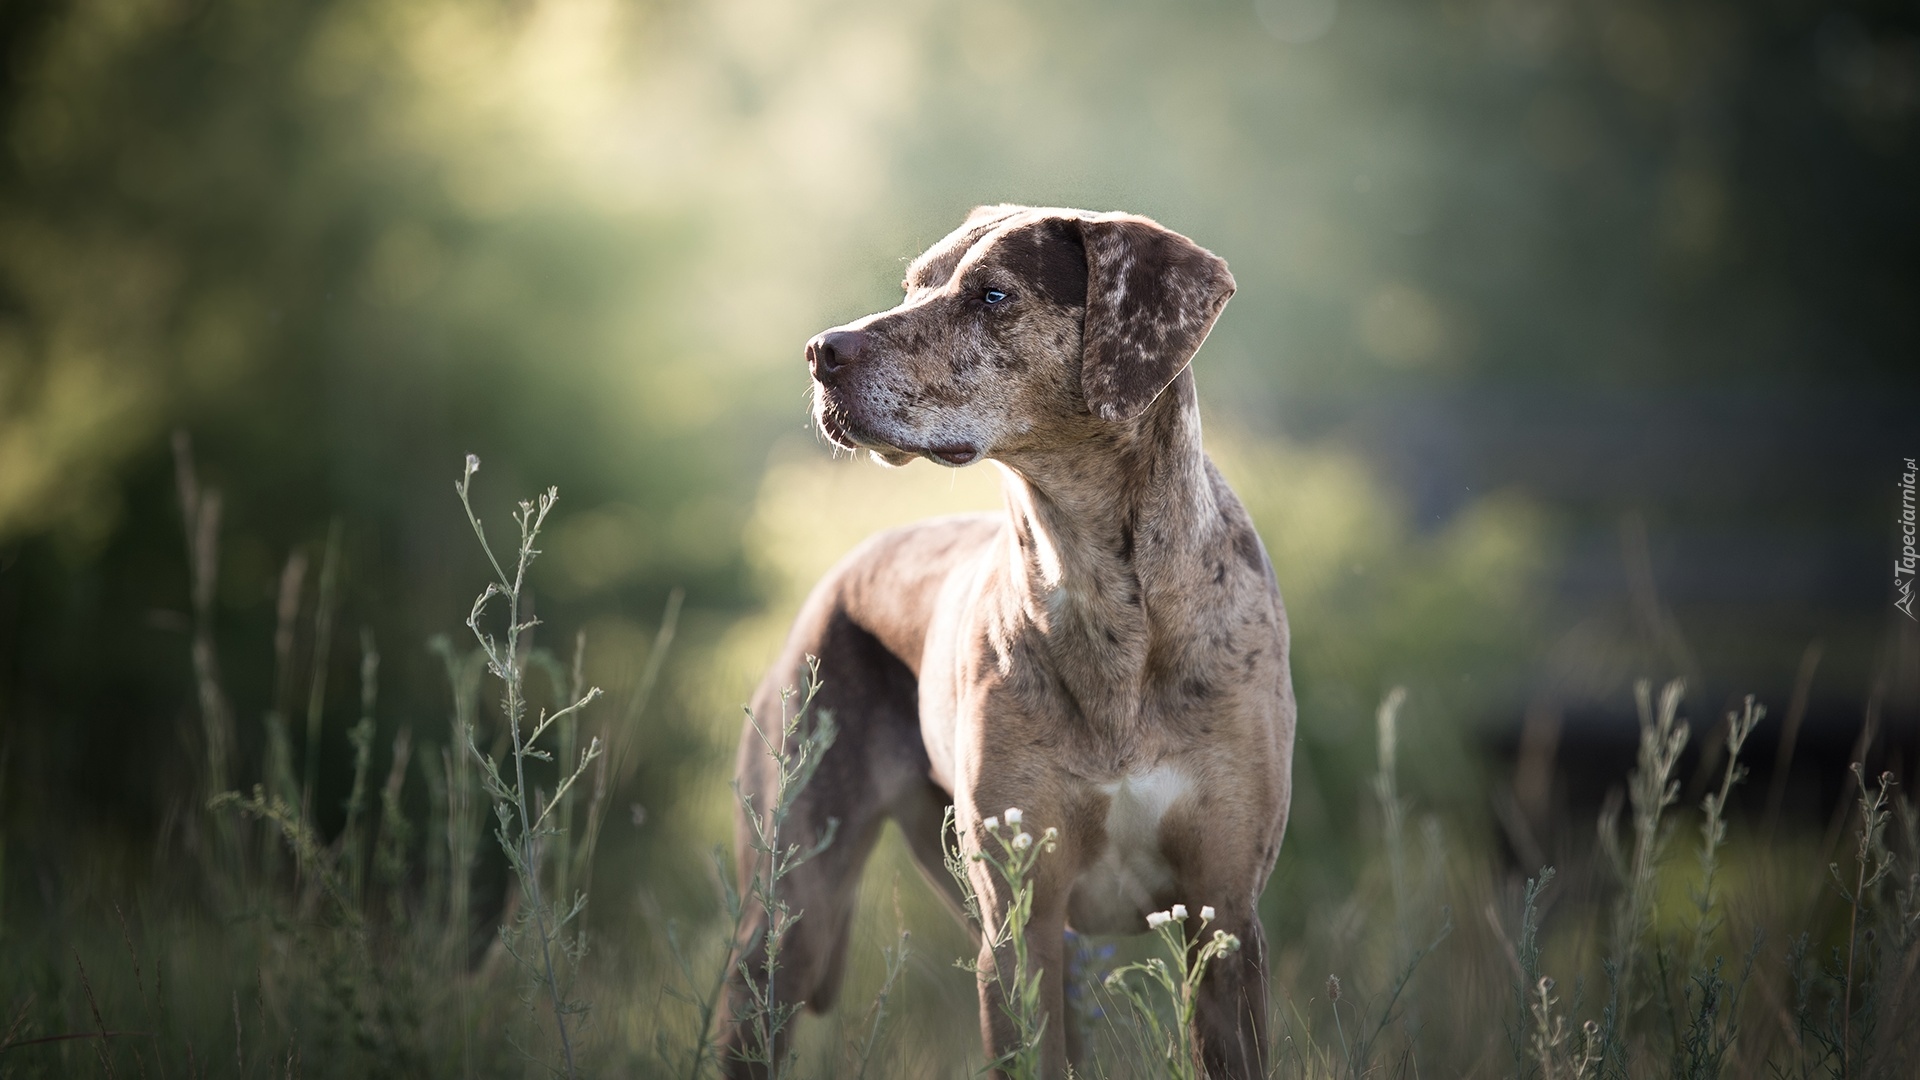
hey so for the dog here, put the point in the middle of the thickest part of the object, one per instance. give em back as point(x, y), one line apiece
point(1108, 655)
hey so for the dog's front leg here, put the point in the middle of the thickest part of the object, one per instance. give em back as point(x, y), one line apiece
point(1230, 1017)
point(1010, 1011)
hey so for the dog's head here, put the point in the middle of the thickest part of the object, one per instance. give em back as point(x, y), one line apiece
point(1023, 327)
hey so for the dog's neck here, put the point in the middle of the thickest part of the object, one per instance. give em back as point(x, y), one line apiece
point(1111, 535)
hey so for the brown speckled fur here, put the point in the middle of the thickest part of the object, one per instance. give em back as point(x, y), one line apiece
point(1119, 616)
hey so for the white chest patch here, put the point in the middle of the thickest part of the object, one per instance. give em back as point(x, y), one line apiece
point(1115, 893)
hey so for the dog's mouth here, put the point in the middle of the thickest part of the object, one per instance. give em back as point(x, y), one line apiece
point(841, 430)
point(832, 428)
point(954, 453)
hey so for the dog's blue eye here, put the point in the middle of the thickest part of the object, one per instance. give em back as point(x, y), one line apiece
point(993, 296)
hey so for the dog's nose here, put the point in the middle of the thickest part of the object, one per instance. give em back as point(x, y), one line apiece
point(834, 350)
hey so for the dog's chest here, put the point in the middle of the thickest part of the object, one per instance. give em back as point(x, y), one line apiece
point(1128, 876)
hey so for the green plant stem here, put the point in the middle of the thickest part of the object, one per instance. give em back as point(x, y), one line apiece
point(508, 665)
point(322, 646)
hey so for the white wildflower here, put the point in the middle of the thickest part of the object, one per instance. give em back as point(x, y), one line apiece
point(990, 824)
point(1013, 815)
point(1206, 912)
point(1179, 911)
point(473, 464)
point(1158, 919)
point(1023, 842)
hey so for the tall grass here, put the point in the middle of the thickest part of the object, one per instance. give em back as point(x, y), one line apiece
point(1005, 969)
point(526, 824)
point(1178, 982)
point(401, 944)
point(761, 915)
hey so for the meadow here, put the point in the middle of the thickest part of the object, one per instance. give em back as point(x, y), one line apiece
point(442, 929)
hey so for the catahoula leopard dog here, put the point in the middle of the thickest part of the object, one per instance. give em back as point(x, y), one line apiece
point(1108, 654)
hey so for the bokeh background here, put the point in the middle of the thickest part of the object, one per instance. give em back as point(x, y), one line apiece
point(1575, 342)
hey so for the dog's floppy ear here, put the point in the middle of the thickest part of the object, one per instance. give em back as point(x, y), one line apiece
point(1152, 296)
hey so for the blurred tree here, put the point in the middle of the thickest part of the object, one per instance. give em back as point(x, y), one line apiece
point(212, 218)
